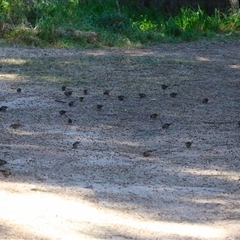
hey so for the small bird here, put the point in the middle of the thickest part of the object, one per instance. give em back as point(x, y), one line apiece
point(75, 145)
point(68, 93)
point(2, 162)
point(164, 86)
point(71, 104)
point(62, 112)
point(205, 101)
point(148, 152)
point(188, 144)
point(64, 88)
point(85, 92)
point(120, 97)
point(173, 94)
point(3, 108)
point(166, 125)
point(19, 90)
point(99, 107)
point(69, 120)
point(153, 116)
point(5, 173)
point(15, 125)
point(142, 95)
point(106, 92)
point(81, 99)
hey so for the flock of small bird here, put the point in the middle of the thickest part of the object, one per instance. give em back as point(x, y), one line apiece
point(68, 94)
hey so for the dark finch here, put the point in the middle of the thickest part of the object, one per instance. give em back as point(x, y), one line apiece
point(75, 145)
point(188, 144)
point(3, 108)
point(153, 116)
point(166, 125)
point(68, 93)
point(71, 104)
point(15, 125)
point(164, 86)
point(99, 107)
point(142, 95)
point(2, 162)
point(173, 95)
point(120, 97)
point(62, 112)
point(205, 101)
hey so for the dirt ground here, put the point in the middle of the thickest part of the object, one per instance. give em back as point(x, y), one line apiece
point(104, 187)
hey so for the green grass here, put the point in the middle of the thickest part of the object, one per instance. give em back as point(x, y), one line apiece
point(51, 23)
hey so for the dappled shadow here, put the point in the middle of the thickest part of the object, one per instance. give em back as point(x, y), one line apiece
point(175, 188)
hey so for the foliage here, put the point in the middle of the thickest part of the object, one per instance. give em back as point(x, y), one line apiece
point(51, 22)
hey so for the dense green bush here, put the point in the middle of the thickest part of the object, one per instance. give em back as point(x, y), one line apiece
point(54, 22)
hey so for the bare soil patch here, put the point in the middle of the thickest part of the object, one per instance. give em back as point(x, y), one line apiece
point(105, 188)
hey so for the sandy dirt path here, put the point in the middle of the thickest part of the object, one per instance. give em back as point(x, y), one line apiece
point(105, 187)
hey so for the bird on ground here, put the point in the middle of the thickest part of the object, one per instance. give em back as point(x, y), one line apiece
point(68, 93)
point(81, 99)
point(106, 92)
point(142, 95)
point(166, 125)
point(120, 97)
point(99, 107)
point(148, 152)
point(71, 104)
point(153, 116)
point(19, 90)
point(173, 94)
point(15, 125)
point(62, 112)
point(69, 120)
point(64, 88)
point(85, 92)
point(5, 172)
point(3, 108)
point(188, 144)
point(205, 101)
point(75, 145)
point(164, 86)
point(2, 162)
